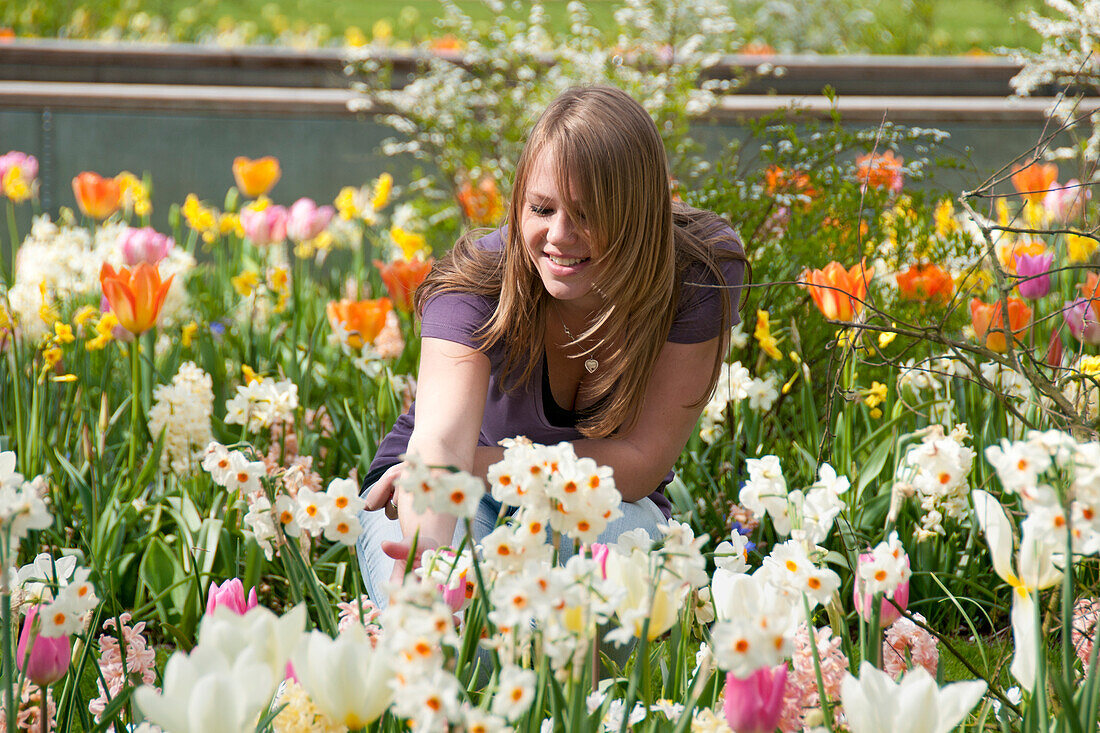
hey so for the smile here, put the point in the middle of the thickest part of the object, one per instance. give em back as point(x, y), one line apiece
point(567, 261)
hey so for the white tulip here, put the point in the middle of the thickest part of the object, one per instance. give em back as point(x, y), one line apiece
point(346, 678)
point(1034, 571)
point(875, 703)
point(269, 638)
point(207, 692)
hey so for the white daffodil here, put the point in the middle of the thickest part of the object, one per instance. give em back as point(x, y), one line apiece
point(207, 692)
point(1034, 571)
point(657, 598)
point(875, 703)
point(345, 677)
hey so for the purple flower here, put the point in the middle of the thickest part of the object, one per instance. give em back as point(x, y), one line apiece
point(1035, 273)
point(753, 704)
point(1082, 320)
point(144, 245)
point(306, 219)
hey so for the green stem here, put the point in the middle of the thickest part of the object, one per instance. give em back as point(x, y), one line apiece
point(135, 409)
point(826, 709)
point(9, 673)
point(13, 234)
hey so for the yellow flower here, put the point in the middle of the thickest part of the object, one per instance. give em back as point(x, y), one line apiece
point(886, 338)
point(249, 375)
point(202, 219)
point(85, 314)
point(50, 357)
point(1089, 366)
point(876, 413)
point(795, 357)
point(345, 203)
point(47, 311)
point(15, 186)
point(64, 378)
point(230, 224)
point(382, 30)
point(1080, 249)
point(354, 37)
point(874, 395)
point(188, 333)
point(245, 283)
point(104, 329)
point(410, 242)
point(763, 335)
point(63, 333)
point(1034, 214)
point(1002, 212)
point(945, 218)
point(135, 196)
point(790, 382)
point(278, 279)
point(382, 189)
point(974, 282)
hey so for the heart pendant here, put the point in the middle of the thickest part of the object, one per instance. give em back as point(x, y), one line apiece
point(591, 365)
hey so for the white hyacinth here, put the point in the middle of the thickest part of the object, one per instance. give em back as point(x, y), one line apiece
point(182, 411)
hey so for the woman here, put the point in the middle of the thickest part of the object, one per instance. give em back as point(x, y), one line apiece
point(598, 315)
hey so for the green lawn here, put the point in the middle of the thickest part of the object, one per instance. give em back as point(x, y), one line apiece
point(912, 27)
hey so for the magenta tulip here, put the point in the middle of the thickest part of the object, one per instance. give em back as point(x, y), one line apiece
point(264, 226)
point(753, 704)
point(1034, 271)
point(888, 612)
point(48, 658)
point(231, 596)
point(1082, 320)
point(144, 245)
point(306, 219)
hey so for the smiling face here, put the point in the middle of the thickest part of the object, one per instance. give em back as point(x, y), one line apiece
point(560, 250)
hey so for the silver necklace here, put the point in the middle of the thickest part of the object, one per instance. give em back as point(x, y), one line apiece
point(590, 364)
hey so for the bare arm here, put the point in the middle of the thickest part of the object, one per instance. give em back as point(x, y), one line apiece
point(643, 457)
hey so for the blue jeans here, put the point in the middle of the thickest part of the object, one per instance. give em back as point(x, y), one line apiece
point(377, 567)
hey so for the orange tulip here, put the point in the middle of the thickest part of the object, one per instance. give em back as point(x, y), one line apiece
point(256, 177)
point(1091, 287)
point(778, 180)
point(989, 324)
point(838, 293)
point(402, 278)
point(135, 298)
point(926, 282)
point(96, 196)
point(363, 320)
point(1032, 181)
point(482, 205)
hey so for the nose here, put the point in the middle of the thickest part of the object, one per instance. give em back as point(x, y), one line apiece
point(561, 229)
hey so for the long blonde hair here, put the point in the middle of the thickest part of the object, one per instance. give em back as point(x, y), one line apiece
point(607, 150)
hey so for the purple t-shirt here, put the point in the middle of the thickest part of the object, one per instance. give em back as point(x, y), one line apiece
point(529, 410)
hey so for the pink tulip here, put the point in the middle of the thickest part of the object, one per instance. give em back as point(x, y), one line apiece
point(888, 612)
point(599, 554)
point(1081, 317)
point(1067, 202)
point(753, 704)
point(455, 595)
point(27, 164)
point(306, 220)
point(1035, 273)
point(264, 226)
point(231, 596)
point(144, 245)
point(49, 656)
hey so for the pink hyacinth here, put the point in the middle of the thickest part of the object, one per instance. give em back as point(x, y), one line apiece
point(144, 245)
point(908, 645)
point(231, 596)
point(306, 219)
point(47, 658)
point(1034, 271)
point(140, 662)
point(888, 612)
point(802, 694)
point(1081, 317)
point(264, 226)
point(753, 704)
point(1085, 613)
point(27, 164)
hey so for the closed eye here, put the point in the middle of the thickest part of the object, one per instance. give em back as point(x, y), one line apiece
point(540, 210)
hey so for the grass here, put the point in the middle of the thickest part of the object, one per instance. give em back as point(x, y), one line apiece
point(916, 27)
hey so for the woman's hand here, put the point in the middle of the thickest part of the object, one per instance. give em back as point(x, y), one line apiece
point(400, 550)
point(384, 492)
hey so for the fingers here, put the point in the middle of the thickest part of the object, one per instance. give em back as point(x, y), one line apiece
point(382, 492)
